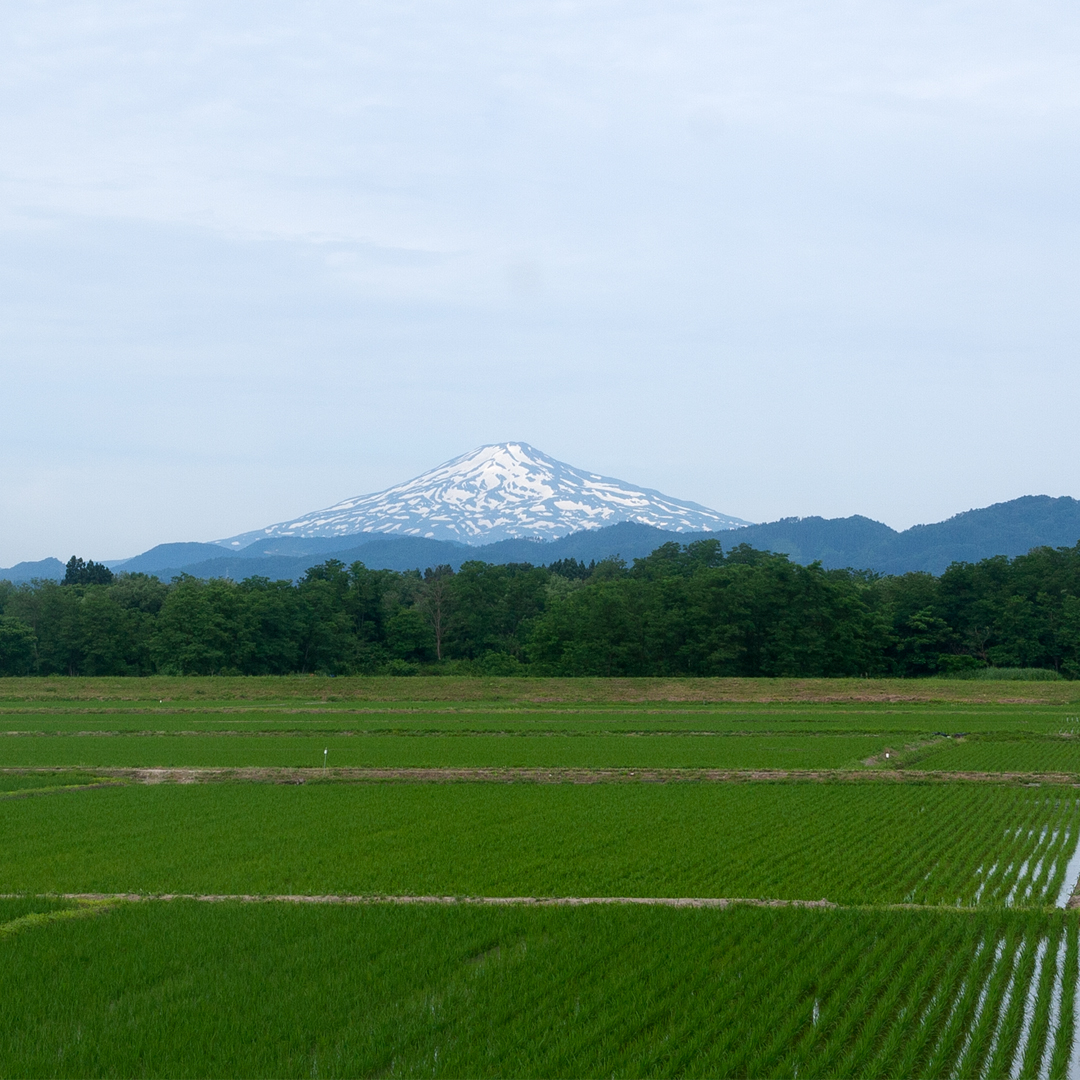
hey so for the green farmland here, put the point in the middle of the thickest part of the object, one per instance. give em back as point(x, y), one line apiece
point(538, 877)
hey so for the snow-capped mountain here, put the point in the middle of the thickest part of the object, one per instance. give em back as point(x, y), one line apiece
point(509, 490)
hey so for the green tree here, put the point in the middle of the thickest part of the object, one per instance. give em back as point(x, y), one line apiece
point(18, 647)
point(435, 601)
point(78, 572)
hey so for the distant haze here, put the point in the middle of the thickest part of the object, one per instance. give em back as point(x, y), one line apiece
point(773, 258)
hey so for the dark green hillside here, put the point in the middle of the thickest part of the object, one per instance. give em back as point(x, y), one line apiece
point(1009, 528)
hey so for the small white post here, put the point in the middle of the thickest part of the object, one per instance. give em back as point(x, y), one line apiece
point(324, 753)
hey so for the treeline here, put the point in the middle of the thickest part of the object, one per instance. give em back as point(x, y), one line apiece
point(683, 610)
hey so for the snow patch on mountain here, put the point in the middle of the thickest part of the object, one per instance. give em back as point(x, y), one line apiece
point(499, 492)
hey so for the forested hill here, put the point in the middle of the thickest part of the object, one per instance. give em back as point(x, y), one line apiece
point(1009, 528)
point(682, 610)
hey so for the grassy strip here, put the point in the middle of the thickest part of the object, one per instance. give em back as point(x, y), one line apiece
point(32, 919)
point(534, 690)
point(15, 907)
point(852, 844)
point(25, 781)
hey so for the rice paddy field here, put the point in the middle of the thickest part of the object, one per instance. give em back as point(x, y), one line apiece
point(316, 877)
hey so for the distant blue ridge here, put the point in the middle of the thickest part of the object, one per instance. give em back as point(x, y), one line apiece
point(1009, 528)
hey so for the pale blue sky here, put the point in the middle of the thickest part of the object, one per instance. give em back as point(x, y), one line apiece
point(776, 258)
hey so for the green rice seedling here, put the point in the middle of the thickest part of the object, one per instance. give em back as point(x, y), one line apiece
point(1053, 1028)
point(877, 1010)
point(985, 1025)
point(653, 750)
point(179, 988)
point(779, 945)
point(1049, 753)
point(918, 995)
point(844, 968)
point(962, 1006)
point(1004, 1046)
point(1039, 1033)
point(846, 843)
point(1030, 996)
point(938, 1012)
point(1065, 1057)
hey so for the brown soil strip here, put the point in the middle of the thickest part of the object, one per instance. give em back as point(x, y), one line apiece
point(269, 775)
point(346, 899)
point(509, 691)
point(464, 733)
point(482, 901)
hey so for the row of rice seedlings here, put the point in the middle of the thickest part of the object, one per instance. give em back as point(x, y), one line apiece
point(1029, 1054)
point(1030, 848)
point(958, 1005)
point(876, 1008)
point(1057, 1055)
point(825, 992)
point(846, 980)
point(902, 1043)
point(793, 976)
point(965, 833)
point(781, 947)
point(1007, 1016)
point(1036, 856)
point(1053, 1022)
point(474, 991)
point(1035, 817)
point(588, 1045)
point(1010, 754)
point(1016, 1029)
point(1030, 873)
point(773, 961)
point(945, 824)
point(852, 844)
point(1067, 873)
point(962, 831)
point(849, 1024)
point(1048, 858)
point(972, 1018)
point(985, 1020)
point(1062, 863)
point(1004, 870)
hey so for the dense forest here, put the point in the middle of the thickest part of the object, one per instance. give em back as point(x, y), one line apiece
point(683, 610)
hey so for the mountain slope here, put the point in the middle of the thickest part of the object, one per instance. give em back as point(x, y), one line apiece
point(500, 492)
point(1009, 528)
point(628, 540)
point(44, 569)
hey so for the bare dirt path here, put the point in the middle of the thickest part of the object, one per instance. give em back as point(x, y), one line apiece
point(275, 775)
point(482, 901)
point(100, 902)
point(572, 776)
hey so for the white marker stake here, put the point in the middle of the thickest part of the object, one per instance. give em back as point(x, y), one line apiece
point(324, 753)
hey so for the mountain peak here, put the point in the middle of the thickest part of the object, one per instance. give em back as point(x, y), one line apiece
point(501, 491)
